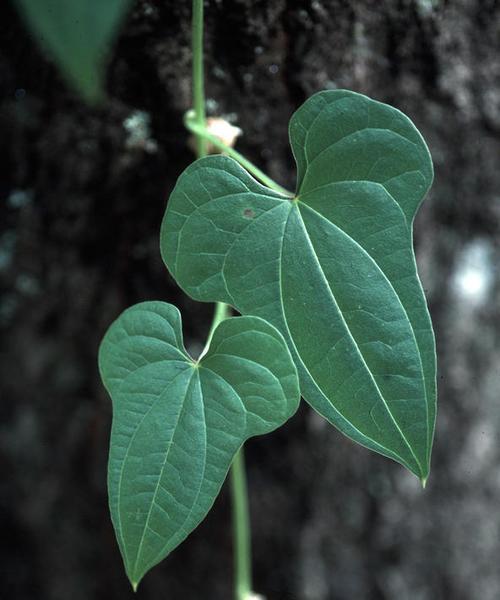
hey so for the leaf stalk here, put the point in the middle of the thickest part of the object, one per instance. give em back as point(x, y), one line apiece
point(193, 124)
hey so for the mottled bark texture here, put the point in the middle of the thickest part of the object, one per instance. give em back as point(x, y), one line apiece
point(83, 192)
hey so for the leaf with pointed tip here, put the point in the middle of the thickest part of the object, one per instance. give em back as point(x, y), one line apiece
point(177, 424)
point(332, 268)
point(78, 34)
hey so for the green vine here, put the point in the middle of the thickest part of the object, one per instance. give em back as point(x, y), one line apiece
point(195, 121)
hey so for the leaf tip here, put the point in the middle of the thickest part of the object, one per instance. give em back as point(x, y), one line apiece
point(135, 585)
point(423, 481)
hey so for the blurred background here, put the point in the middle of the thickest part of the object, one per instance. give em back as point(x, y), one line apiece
point(83, 191)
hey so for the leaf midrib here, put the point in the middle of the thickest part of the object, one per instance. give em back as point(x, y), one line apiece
point(388, 281)
point(358, 349)
point(304, 366)
point(181, 533)
point(174, 429)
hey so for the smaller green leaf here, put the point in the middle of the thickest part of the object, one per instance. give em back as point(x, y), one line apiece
point(177, 423)
point(78, 35)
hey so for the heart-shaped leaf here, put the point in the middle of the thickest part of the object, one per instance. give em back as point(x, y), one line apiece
point(332, 268)
point(77, 33)
point(178, 423)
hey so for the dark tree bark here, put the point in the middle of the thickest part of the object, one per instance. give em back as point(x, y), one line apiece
point(83, 192)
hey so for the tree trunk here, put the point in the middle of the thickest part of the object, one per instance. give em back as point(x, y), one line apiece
point(84, 191)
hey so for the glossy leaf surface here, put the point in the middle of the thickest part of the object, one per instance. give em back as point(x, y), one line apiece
point(333, 268)
point(177, 424)
point(78, 34)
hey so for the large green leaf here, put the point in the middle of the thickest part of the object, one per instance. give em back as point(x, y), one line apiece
point(332, 268)
point(177, 423)
point(78, 34)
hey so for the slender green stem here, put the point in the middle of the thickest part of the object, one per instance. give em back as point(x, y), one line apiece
point(241, 520)
point(241, 525)
point(198, 75)
point(200, 130)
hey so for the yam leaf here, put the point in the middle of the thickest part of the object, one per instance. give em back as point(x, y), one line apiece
point(177, 423)
point(332, 268)
point(78, 35)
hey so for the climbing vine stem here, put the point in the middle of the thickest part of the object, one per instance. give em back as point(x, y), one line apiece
point(196, 122)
